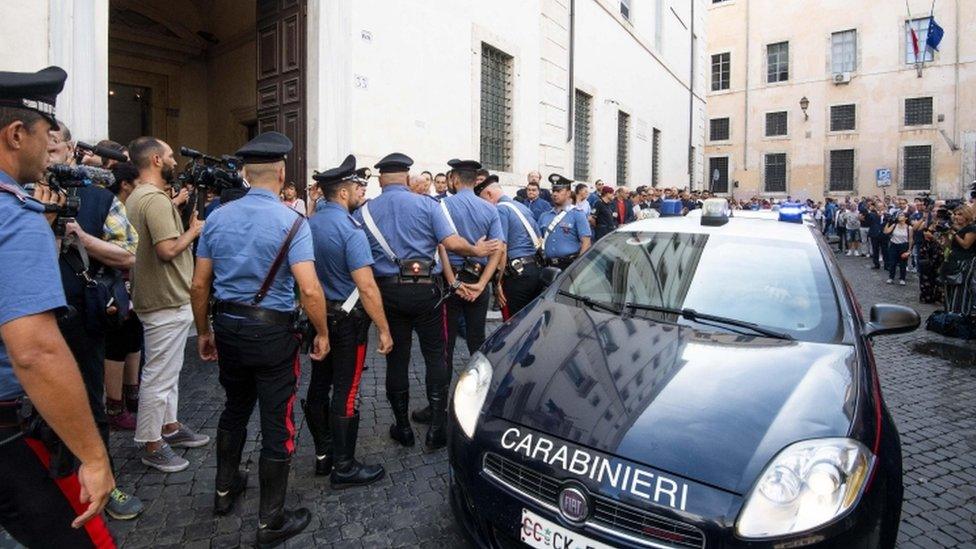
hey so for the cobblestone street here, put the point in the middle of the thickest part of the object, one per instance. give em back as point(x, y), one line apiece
point(929, 383)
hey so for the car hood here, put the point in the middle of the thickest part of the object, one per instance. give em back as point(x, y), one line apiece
point(710, 407)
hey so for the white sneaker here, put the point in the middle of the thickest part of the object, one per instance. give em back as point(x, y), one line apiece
point(848, 253)
point(902, 282)
point(889, 281)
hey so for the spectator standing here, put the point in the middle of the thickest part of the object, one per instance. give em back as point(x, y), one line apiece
point(161, 297)
point(604, 216)
point(931, 254)
point(290, 198)
point(900, 234)
point(959, 269)
point(875, 232)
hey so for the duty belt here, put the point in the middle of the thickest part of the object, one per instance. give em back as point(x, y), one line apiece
point(517, 265)
point(260, 314)
point(561, 261)
point(10, 413)
point(334, 309)
point(388, 280)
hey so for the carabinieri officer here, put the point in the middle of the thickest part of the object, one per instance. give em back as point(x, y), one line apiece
point(565, 230)
point(344, 265)
point(473, 219)
point(404, 229)
point(253, 250)
point(520, 282)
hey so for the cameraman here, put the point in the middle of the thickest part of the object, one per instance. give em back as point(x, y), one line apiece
point(959, 270)
point(36, 509)
point(103, 233)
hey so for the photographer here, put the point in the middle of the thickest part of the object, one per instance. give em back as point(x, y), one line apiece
point(958, 272)
point(101, 233)
point(39, 509)
point(900, 234)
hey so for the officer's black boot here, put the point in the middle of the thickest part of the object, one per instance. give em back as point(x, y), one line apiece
point(401, 431)
point(318, 424)
point(422, 415)
point(231, 481)
point(275, 524)
point(348, 472)
point(437, 433)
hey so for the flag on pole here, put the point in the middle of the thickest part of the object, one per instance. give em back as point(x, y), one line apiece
point(934, 37)
point(914, 41)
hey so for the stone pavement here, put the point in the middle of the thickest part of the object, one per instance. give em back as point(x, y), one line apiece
point(929, 383)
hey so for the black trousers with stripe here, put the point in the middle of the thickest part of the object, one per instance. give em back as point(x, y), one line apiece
point(340, 372)
point(36, 509)
point(410, 308)
point(259, 364)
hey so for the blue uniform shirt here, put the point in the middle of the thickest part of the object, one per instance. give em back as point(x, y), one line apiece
point(341, 247)
point(538, 206)
point(520, 243)
point(474, 218)
point(243, 237)
point(567, 235)
point(412, 225)
point(31, 281)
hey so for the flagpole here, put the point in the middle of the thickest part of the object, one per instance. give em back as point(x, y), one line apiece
point(914, 37)
point(926, 44)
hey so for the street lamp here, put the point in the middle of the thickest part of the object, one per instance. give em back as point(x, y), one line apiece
point(805, 104)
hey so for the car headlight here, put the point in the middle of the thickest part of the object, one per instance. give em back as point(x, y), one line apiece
point(470, 393)
point(805, 486)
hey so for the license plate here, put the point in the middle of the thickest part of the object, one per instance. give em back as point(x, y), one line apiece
point(545, 534)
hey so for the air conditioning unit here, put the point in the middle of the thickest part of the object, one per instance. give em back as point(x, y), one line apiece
point(842, 78)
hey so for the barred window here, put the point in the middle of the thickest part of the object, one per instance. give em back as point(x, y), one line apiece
point(918, 111)
point(843, 118)
point(581, 133)
point(775, 172)
point(776, 124)
point(718, 174)
point(656, 158)
point(496, 109)
point(843, 51)
point(841, 170)
point(721, 71)
point(778, 62)
point(718, 129)
point(623, 146)
point(918, 168)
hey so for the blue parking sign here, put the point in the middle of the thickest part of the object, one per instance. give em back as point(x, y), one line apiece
point(883, 176)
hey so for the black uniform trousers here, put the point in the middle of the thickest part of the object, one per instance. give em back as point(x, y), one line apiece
point(521, 289)
point(340, 372)
point(259, 364)
point(36, 509)
point(89, 352)
point(413, 307)
point(475, 315)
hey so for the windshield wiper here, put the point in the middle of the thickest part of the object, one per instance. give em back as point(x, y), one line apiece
point(590, 302)
point(702, 318)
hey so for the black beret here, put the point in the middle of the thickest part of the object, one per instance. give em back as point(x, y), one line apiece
point(559, 182)
point(265, 148)
point(339, 174)
point(394, 163)
point(36, 91)
point(485, 184)
point(465, 165)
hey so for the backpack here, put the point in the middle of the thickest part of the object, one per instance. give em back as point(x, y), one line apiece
point(951, 325)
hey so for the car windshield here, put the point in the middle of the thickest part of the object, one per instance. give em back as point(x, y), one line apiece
point(777, 285)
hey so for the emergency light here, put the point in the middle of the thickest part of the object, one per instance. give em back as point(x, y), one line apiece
point(670, 207)
point(715, 212)
point(791, 212)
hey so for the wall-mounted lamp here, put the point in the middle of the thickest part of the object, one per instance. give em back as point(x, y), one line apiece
point(804, 105)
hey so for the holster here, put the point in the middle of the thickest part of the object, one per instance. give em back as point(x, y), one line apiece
point(63, 462)
point(414, 270)
point(469, 271)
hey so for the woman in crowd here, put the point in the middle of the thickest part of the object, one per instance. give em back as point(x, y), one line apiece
point(900, 235)
point(290, 198)
point(958, 272)
point(931, 254)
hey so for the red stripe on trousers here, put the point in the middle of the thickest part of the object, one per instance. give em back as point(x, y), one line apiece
point(71, 488)
point(289, 424)
point(505, 314)
point(356, 375)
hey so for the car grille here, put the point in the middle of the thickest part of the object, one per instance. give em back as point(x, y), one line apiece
point(608, 515)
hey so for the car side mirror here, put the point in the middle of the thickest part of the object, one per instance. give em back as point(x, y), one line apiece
point(889, 319)
point(549, 275)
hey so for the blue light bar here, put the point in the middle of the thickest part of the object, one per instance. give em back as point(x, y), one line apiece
point(791, 212)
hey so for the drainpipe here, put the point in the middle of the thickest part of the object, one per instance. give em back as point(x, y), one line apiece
point(572, 59)
point(691, 102)
point(745, 118)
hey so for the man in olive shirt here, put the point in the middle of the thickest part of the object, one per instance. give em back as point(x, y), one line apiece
point(161, 297)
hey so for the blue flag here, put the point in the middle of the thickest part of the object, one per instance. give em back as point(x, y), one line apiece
point(935, 34)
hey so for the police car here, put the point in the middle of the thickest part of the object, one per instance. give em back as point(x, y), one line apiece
point(690, 382)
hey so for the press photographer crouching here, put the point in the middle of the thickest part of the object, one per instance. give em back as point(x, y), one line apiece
point(44, 412)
